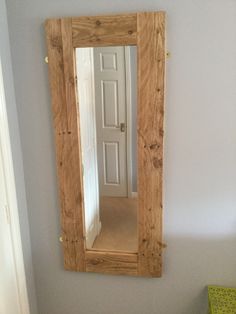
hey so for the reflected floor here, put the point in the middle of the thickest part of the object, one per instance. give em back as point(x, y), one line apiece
point(119, 224)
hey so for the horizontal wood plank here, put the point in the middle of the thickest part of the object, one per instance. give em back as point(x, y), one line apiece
point(95, 31)
point(118, 263)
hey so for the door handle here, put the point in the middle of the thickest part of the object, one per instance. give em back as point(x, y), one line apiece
point(121, 127)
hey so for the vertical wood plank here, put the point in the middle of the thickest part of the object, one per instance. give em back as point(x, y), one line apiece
point(56, 74)
point(151, 71)
point(63, 93)
point(73, 216)
point(69, 69)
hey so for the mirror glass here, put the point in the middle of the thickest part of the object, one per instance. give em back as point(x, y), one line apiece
point(107, 98)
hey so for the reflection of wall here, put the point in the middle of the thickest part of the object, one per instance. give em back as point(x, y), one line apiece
point(200, 153)
point(85, 83)
point(133, 65)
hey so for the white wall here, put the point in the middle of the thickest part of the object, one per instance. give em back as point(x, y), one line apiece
point(200, 155)
point(5, 59)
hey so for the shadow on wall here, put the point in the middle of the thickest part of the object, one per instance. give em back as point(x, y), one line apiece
point(193, 263)
point(189, 265)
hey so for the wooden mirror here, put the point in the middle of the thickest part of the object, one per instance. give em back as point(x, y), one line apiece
point(107, 36)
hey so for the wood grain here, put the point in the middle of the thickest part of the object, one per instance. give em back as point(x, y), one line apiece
point(151, 70)
point(69, 70)
point(147, 30)
point(114, 30)
point(111, 262)
point(67, 142)
point(56, 74)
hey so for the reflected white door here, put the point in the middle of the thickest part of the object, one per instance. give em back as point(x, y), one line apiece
point(110, 96)
point(9, 298)
point(85, 75)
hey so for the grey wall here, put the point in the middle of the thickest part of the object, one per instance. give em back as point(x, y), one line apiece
point(5, 59)
point(200, 154)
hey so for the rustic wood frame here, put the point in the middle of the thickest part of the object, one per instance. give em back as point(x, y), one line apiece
point(147, 31)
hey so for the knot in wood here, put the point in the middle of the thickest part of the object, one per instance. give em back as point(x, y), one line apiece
point(154, 146)
point(96, 261)
point(162, 245)
point(157, 163)
point(56, 41)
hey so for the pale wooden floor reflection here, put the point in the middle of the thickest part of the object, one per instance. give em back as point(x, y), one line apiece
point(119, 224)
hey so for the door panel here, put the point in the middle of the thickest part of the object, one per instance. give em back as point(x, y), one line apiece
point(111, 163)
point(110, 96)
point(109, 103)
point(108, 60)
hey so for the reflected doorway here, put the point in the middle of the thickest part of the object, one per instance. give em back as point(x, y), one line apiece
point(106, 79)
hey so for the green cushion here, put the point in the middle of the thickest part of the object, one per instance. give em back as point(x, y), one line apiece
point(222, 300)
